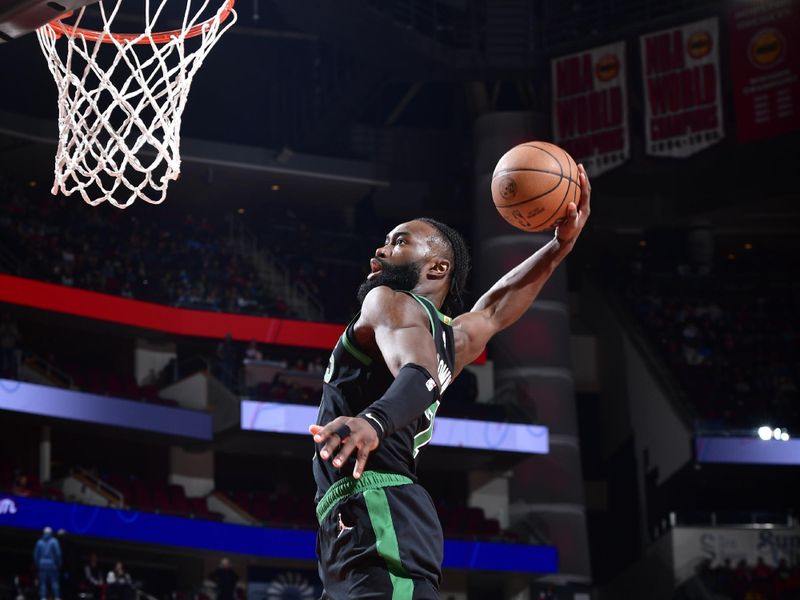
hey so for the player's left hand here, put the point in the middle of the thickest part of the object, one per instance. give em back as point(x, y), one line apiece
point(571, 226)
point(360, 437)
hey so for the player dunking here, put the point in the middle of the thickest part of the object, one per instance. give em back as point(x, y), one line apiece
point(379, 534)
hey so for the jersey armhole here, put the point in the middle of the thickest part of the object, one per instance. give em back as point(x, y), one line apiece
point(351, 346)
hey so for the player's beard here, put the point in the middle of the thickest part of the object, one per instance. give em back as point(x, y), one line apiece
point(397, 277)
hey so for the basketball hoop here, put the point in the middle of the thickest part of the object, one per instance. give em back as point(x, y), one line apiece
point(119, 108)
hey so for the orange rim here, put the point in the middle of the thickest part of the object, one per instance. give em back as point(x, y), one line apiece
point(158, 37)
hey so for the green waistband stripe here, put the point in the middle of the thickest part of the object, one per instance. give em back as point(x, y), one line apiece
point(386, 543)
point(344, 488)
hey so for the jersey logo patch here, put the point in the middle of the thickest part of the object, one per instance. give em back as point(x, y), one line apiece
point(430, 384)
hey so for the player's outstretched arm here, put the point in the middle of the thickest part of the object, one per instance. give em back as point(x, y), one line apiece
point(393, 324)
point(509, 298)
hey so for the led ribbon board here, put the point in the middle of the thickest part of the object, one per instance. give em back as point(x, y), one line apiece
point(747, 451)
point(265, 542)
point(275, 417)
point(46, 401)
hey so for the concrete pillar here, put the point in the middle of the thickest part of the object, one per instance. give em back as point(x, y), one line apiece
point(45, 448)
point(545, 492)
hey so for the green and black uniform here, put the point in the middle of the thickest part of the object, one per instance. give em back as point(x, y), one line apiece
point(379, 536)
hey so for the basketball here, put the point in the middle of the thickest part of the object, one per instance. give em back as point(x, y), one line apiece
point(533, 184)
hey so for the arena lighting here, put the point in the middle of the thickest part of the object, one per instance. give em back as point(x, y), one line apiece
point(785, 437)
point(776, 433)
point(765, 432)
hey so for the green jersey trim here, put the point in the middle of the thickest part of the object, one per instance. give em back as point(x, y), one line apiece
point(354, 351)
point(424, 307)
point(424, 437)
point(441, 316)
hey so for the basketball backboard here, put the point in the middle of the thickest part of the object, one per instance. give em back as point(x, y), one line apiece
point(18, 17)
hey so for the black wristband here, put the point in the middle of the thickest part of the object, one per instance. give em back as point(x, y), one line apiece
point(376, 423)
point(411, 393)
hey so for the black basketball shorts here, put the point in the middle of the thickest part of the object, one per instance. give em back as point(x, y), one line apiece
point(380, 541)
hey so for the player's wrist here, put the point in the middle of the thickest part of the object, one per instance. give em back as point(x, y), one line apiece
point(375, 422)
point(564, 243)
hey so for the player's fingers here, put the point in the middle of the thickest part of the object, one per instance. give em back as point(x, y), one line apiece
point(329, 447)
point(314, 429)
point(572, 210)
point(328, 434)
point(323, 433)
point(344, 452)
point(361, 461)
point(586, 190)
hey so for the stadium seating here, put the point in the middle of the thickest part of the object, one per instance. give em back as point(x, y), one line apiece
point(726, 334)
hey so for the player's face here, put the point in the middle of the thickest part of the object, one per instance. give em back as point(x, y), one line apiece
point(405, 244)
point(399, 262)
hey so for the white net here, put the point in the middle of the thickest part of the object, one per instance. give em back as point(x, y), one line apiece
point(120, 100)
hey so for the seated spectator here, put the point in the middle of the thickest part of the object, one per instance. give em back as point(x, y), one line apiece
point(120, 584)
point(21, 487)
point(252, 352)
point(762, 576)
point(225, 578)
point(741, 579)
point(92, 577)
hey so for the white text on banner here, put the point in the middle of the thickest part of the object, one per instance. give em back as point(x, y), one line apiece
point(683, 101)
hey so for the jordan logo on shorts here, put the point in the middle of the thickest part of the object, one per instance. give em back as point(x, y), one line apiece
point(342, 527)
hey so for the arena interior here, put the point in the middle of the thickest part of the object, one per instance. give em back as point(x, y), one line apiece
point(635, 436)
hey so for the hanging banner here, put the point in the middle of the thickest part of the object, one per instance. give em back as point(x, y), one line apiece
point(590, 110)
point(683, 101)
point(765, 67)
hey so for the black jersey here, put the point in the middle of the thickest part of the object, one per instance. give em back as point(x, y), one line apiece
point(353, 381)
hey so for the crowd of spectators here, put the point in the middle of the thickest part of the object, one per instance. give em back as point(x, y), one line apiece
point(729, 335)
point(743, 581)
point(735, 355)
point(185, 263)
point(20, 482)
point(323, 254)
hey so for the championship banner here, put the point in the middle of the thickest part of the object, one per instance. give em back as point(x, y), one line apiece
point(683, 101)
point(590, 111)
point(765, 67)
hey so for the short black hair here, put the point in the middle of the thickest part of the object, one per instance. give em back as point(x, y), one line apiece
point(454, 301)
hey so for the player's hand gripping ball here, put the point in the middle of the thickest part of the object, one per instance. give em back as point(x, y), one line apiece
point(533, 184)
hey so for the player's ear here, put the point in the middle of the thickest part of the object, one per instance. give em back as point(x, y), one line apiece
point(439, 269)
